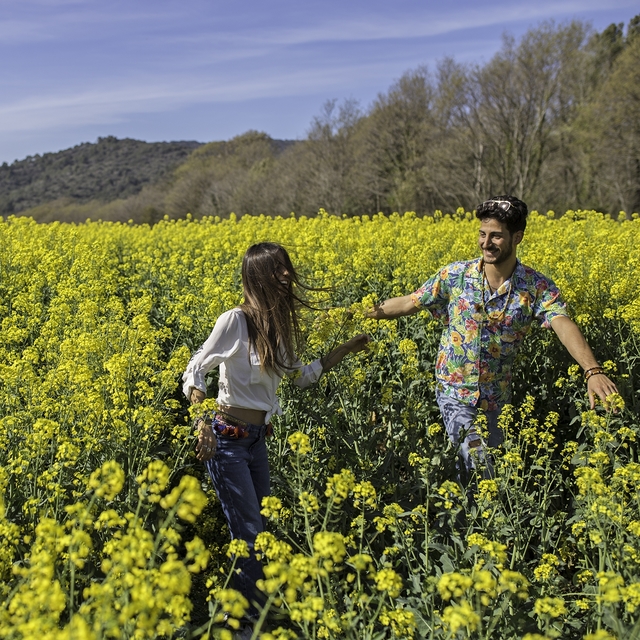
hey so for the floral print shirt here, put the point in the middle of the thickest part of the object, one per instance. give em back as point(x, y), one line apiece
point(481, 336)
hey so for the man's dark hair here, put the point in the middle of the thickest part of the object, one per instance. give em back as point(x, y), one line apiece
point(506, 209)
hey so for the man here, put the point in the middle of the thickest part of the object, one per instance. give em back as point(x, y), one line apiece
point(487, 306)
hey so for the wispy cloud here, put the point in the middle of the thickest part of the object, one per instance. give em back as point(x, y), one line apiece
point(115, 105)
point(97, 63)
point(425, 22)
point(57, 19)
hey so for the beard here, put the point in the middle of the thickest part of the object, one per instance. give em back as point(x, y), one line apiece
point(501, 256)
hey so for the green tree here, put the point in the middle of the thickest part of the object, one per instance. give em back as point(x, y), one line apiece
point(612, 126)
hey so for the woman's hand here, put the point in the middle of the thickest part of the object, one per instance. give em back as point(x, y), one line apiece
point(207, 442)
point(357, 343)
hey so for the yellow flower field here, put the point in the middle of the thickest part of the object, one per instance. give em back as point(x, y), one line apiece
point(109, 527)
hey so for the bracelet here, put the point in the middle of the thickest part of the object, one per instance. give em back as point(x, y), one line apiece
point(594, 373)
point(593, 369)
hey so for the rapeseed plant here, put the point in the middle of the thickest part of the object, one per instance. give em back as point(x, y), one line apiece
point(368, 523)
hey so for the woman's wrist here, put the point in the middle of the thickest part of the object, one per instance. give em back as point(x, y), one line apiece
point(331, 359)
point(196, 396)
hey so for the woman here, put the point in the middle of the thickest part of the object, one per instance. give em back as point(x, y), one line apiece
point(254, 345)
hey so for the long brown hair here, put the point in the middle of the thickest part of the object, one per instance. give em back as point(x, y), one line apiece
point(271, 306)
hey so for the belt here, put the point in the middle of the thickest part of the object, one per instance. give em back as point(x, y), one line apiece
point(228, 425)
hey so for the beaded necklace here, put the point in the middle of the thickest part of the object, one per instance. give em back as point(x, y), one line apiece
point(495, 317)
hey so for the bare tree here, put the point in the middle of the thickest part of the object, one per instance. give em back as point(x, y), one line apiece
point(325, 162)
point(516, 103)
point(398, 145)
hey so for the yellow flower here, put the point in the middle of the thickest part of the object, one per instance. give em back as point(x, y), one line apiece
point(631, 597)
point(416, 459)
point(460, 616)
point(454, 585)
point(309, 502)
point(329, 544)
point(153, 480)
point(299, 442)
point(514, 582)
point(107, 482)
point(238, 548)
point(387, 580)
point(402, 622)
point(484, 584)
point(434, 429)
point(600, 635)
point(340, 485)
point(189, 498)
point(364, 494)
point(271, 507)
point(550, 607)
point(611, 587)
point(487, 489)
point(361, 561)
point(232, 602)
point(496, 550)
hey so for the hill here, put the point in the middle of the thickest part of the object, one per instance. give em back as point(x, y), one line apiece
point(104, 171)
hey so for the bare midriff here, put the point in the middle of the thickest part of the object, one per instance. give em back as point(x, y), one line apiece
point(254, 416)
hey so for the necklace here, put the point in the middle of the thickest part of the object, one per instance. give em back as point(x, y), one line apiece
point(495, 316)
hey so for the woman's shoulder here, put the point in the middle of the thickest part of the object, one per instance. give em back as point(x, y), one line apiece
point(236, 312)
point(232, 317)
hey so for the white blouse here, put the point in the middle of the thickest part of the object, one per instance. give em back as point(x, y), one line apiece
point(242, 382)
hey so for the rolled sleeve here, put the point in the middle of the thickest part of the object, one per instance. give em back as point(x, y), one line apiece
point(221, 344)
point(433, 295)
point(306, 374)
point(549, 305)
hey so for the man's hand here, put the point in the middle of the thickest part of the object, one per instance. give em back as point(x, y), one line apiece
point(572, 338)
point(601, 386)
point(393, 308)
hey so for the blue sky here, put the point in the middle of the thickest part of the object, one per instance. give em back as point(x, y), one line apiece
point(73, 70)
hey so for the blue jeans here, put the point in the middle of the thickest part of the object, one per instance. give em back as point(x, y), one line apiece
point(458, 420)
point(240, 474)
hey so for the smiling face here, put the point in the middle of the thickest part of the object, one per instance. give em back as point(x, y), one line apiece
point(283, 275)
point(267, 275)
point(497, 243)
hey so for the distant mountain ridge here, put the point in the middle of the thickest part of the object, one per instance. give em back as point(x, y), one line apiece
point(106, 170)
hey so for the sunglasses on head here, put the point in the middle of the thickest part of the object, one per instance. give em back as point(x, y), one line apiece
point(505, 205)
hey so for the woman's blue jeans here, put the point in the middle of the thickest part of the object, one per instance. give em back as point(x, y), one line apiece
point(240, 474)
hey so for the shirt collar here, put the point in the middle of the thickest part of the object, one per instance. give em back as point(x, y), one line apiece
point(518, 273)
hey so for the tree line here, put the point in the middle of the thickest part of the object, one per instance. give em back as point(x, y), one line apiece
point(553, 118)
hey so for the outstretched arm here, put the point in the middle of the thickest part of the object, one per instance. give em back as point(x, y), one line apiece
point(393, 308)
point(358, 343)
point(571, 337)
